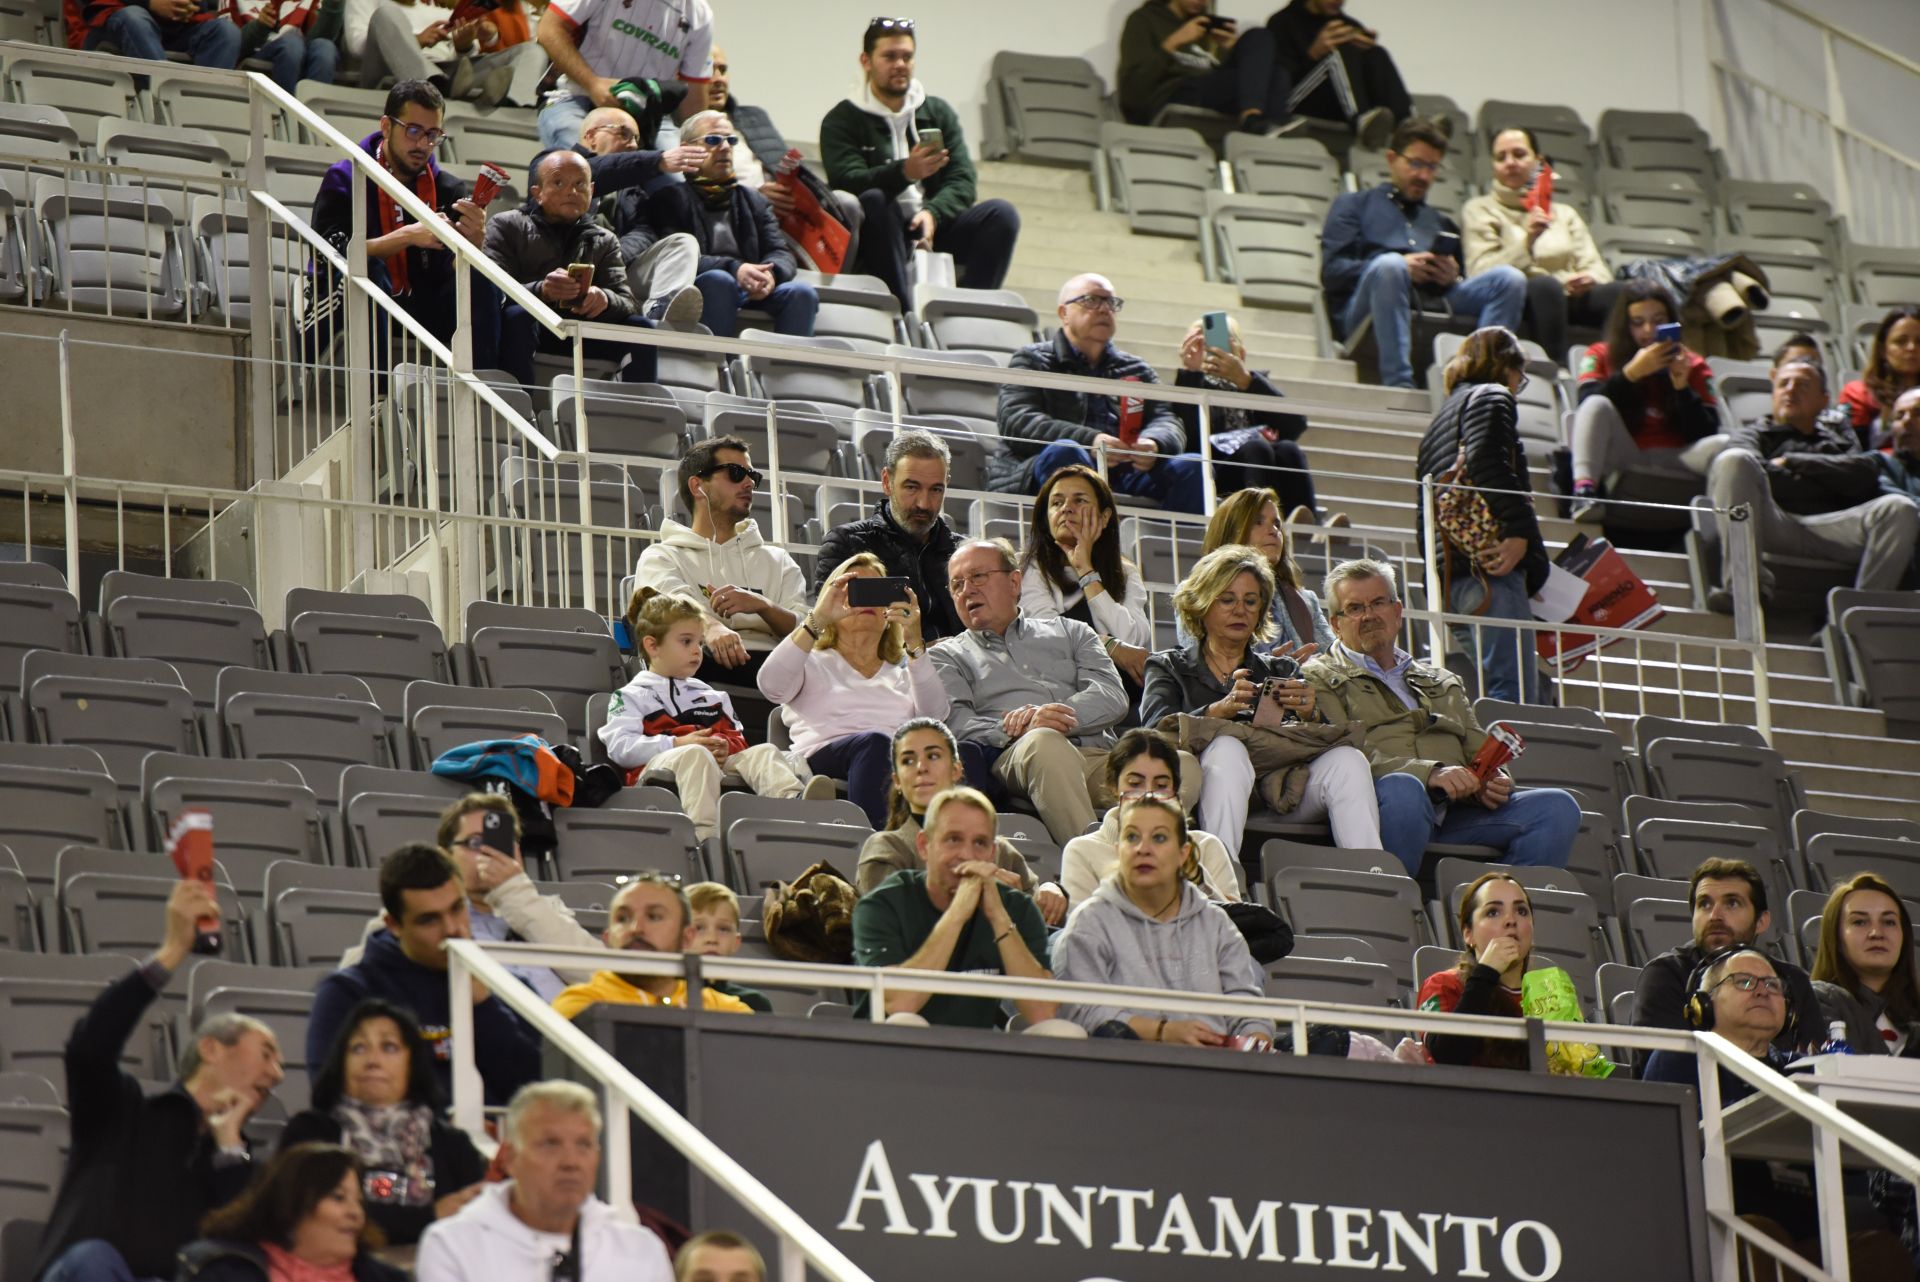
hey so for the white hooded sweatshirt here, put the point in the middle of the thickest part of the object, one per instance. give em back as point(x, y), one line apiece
point(904, 136)
point(689, 563)
point(486, 1242)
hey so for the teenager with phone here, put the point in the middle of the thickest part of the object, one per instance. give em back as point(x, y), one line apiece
point(1176, 51)
point(1518, 223)
point(848, 673)
point(1646, 401)
point(1366, 93)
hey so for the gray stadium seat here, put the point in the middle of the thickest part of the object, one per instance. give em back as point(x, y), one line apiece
point(223, 280)
point(19, 915)
point(866, 320)
point(1381, 908)
point(1808, 824)
point(967, 453)
point(316, 914)
point(590, 901)
point(386, 605)
point(997, 322)
point(1629, 886)
point(637, 420)
point(294, 171)
point(1326, 979)
point(975, 403)
point(766, 851)
point(255, 809)
point(1277, 854)
point(1804, 909)
point(1049, 109)
point(387, 654)
point(140, 708)
point(505, 138)
point(1694, 770)
point(544, 566)
point(1644, 200)
point(116, 912)
point(112, 249)
point(375, 823)
point(569, 666)
point(1776, 211)
point(1884, 276)
point(1833, 857)
point(1881, 654)
point(1271, 251)
point(207, 975)
point(613, 843)
point(86, 94)
point(27, 1088)
point(1648, 728)
point(320, 735)
point(32, 617)
point(442, 717)
point(1159, 177)
point(1298, 167)
point(43, 994)
point(1833, 643)
point(826, 386)
point(1592, 762)
point(1617, 983)
point(51, 807)
point(1653, 926)
point(198, 637)
point(192, 162)
point(28, 1182)
point(214, 107)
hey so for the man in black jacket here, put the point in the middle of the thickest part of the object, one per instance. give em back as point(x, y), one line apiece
point(906, 531)
point(1143, 439)
point(1813, 490)
point(1365, 89)
point(744, 259)
point(143, 1169)
point(1729, 900)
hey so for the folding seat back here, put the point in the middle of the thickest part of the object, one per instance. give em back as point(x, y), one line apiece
point(1664, 200)
point(996, 322)
point(84, 94)
point(868, 325)
point(278, 820)
point(1617, 983)
point(1691, 770)
point(218, 109)
point(1159, 177)
point(570, 667)
point(42, 996)
point(1653, 926)
point(387, 654)
point(317, 914)
point(318, 736)
point(223, 262)
point(976, 403)
point(638, 420)
point(35, 618)
point(1326, 979)
point(1883, 276)
point(1299, 167)
point(197, 637)
point(342, 106)
point(140, 709)
point(1836, 857)
point(1777, 211)
point(769, 851)
point(1808, 824)
point(1278, 854)
point(1381, 908)
point(376, 823)
point(294, 171)
point(1880, 646)
point(19, 918)
point(1052, 107)
point(505, 138)
point(611, 844)
point(114, 912)
point(550, 569)
point(1648, 728)
point(173, 162)
point(443, 717)
point(386, 605)
point(1272, 254)
point(1592, 762)
point(112, 249)
point(792, 380)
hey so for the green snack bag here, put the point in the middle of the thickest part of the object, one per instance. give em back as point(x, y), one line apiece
point(1548, 994)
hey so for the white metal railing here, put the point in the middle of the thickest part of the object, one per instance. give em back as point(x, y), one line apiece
point(1734, 1241)
point(1775, 134)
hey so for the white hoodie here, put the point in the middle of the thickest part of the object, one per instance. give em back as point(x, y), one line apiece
point(685, 562)
point(486, 1242)
point(904, 135)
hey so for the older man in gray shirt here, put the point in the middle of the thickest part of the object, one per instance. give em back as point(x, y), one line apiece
point(1034, 700)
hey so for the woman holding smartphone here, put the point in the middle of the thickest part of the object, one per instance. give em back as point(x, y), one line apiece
point(1645, 400)
point(848, 675)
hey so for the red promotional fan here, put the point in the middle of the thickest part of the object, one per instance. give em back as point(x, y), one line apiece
point(1540, 195)
point(1502, 746)
point(190, 846)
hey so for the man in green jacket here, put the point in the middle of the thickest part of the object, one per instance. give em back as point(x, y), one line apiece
point(902, 153)
point(1176, 51)
point(1422, 736)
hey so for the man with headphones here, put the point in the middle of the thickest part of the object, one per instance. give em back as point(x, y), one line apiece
point(1729, 898)
point(1738, 994)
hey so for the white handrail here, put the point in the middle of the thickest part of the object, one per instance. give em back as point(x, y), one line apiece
point(1839, 32)
point(1765, 1081)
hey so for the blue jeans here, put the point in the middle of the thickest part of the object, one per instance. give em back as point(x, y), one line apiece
point(865, 761)
point(521, 336)
point(1535, 828)
point(1496, 296)
point(1172, 482)
point(1508, 668)
point(296, 58)
point(212, 43)
point(560, 121)
point(792, 305)
point(95, 1259)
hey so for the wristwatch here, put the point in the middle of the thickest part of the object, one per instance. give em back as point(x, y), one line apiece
point(1090, 577)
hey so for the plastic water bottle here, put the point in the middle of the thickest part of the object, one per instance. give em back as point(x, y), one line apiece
point(1836, 1043)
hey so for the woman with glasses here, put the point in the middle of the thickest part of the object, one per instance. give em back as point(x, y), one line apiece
point(1479, 425)
point(1251, 518)
point(1072, 568)
point(1567, 279)
point(1646, 402)
point(1864, 973)
point(1226, 605)
point(1144, 763)
point(377, 1095)
point(846, 677)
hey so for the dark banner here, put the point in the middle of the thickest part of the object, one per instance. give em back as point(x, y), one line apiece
point(945, 1155)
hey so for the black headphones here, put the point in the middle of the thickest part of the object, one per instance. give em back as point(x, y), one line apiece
point(1699, 1003)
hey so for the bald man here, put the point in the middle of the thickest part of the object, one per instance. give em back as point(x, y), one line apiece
point(1043, 430)
point(537, 243)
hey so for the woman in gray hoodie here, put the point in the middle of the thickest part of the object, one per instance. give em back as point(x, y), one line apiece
point(1149, 925)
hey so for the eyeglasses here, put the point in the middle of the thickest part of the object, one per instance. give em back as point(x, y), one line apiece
point(618, 131)
point(719, 140)
point(978, 579)
point(736, 472)
point(1357, 610)
point(415, 133)
point(1433, 167)
point(1771, 985)
point(1525, 383)
point(475, 843)
point(903, 26)
point(1098, 302)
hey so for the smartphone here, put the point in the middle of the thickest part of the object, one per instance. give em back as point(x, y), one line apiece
point(1214, 22)
point(875, 594)
point(1447, 245)
point(1667, 334)
point(933, 138)
point(582, 274)
point(623, 636)
point(1267, 709)
point(496, 832)
point(1214, 331)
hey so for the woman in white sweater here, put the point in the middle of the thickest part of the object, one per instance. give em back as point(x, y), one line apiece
point(1143, 763)
point(847, 677)
point(1072, 568)
point(1567, 280)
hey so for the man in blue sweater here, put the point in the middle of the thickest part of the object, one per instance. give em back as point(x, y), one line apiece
point(426, 905)
point(1378, 247)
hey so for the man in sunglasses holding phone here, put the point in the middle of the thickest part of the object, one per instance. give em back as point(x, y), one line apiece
point(901, 151)
point(744, 259)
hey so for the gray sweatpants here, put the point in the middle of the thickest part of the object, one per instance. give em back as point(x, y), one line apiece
point(392, 50)
point(1602, 446)
point(1878, 535)
point(664, 268)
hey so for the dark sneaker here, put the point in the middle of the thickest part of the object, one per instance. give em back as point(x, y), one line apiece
point(677, 310)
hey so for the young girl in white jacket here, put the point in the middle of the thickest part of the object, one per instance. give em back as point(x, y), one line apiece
point(664, 722)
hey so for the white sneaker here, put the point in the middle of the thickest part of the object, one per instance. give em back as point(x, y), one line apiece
point(820, 787)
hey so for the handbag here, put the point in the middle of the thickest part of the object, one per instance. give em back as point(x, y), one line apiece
point(1268, 936)
point(810, 918)
point(1466, 524)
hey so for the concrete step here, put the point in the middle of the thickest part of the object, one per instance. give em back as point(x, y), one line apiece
point(1867, 752)
point(1864, 806)
point(1035, 178)
point(1076, 243)
point(1861, 781)
point(1262, 344)
point(1287, 370)
point(1580, 691)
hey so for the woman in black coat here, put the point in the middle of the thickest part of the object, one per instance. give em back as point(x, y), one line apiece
point(377, 1095)
point(1482, 418)
point(303, 1219)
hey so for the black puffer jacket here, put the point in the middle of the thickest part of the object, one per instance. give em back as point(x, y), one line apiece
point(923, 565)
point(1031, 418)
point(213, 1260)
point(680, 208)
point(1488, 425)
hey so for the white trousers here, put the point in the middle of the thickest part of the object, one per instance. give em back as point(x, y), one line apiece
point(1339, 790)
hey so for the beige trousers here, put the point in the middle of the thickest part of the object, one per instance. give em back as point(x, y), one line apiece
point(1067, 784)
point(698, 776)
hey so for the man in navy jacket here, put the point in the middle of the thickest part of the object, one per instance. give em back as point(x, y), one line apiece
point(1377, 248)
point(426, 905)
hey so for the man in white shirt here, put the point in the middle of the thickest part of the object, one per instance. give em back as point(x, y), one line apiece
point(596, 44)
point(415, 40)
point(545, 1216)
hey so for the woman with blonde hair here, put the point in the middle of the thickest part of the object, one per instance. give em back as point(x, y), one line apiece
point(1252, 518)
point(1226, 605)
point(847, 676)
point(1864, 972)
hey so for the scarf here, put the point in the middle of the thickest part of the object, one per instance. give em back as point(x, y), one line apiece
point(716, 193)
point(285, 1266)
point(1511, 197)
point(1225, 418)
point(395, 1139)
point(393, 218)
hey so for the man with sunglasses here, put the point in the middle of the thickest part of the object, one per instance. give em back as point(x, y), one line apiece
point(915, 190)
point(405, 257)
point(744, 259)
point(1378, 248)
point(1044, 429)
point(753, 590)
point(596, 45)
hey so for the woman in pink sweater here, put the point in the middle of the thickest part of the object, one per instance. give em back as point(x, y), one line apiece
point(847, 677)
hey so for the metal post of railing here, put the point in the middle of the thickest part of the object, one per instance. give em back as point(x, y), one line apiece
point(70, 470)
point(1716, 1174)
point(359, 318)
point(260, 308)
point(892, 375)
point(589, 590)
point(1436, 602)
point(793, 1264)
point(1741, 576)
point(1836, 123)
point(1204, 417)
point(616, 1148)
point(464, 461)
point(469, 1091)
point(778, 496)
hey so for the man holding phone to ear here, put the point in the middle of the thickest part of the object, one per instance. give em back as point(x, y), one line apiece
point(902, 152)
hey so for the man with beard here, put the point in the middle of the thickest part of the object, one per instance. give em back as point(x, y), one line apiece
point(1729, 899)
point(404, 257)
point(649, 915)
point(906, 531)
point(1421, 735)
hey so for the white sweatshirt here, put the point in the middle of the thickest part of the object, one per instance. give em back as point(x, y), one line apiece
point(825, 698)
point(486, 1242)
point(901, 122)
point(685, 562)
point(1124, 618)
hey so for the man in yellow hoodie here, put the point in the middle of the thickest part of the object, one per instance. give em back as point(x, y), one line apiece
point(649, 915)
